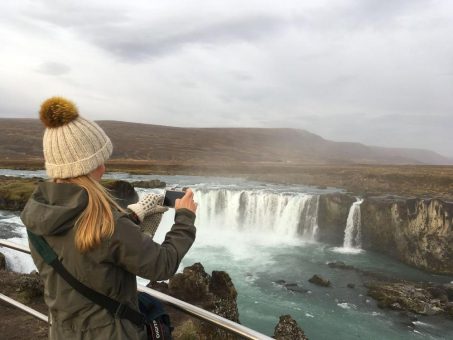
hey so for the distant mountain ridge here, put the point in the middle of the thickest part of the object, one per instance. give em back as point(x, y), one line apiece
point(22, 139)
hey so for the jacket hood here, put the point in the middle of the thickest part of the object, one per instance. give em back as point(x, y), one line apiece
point(53, 208)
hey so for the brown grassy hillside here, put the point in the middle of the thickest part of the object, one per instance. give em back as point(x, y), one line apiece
point(20, 139)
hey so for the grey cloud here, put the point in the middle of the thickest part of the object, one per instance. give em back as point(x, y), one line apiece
point(137, 44)
point(75, 15)
point(134, 41)
point(54, 68)
point(358, 15)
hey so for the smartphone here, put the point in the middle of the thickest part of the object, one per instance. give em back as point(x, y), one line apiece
point(171, 196)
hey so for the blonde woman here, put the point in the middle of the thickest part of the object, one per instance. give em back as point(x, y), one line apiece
point(94, 238)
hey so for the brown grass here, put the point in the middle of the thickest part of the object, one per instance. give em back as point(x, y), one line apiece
point(402, 180)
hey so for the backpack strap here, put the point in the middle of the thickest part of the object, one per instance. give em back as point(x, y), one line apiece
point(116, 308)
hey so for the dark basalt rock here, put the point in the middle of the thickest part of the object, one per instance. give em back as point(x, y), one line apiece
point(288, 329)
point(340, 265)
point(215, 293)
point(292, 287)
point(123, 192)
point(333, 210)
point(318, 280)
point(25, 288)
point(151, 184)
point(29, 287)
point(410, 297)
point(222, 286)
point(192, 285)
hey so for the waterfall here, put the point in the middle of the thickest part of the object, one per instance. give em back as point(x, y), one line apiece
point(353, 232)
point(259, 210)
point(308, 226)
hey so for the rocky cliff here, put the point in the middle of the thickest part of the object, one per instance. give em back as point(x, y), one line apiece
point(418, 232)
point(333, 212)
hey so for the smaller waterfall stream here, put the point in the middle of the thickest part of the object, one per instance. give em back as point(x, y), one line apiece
point(308, 227)
point(352, 232)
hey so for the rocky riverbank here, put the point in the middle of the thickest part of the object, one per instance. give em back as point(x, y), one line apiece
point(15, 191)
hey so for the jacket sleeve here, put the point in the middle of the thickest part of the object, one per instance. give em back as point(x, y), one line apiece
point(137, 253)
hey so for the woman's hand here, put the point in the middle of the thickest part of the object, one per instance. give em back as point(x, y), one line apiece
point(150, 204)
point(187, 202)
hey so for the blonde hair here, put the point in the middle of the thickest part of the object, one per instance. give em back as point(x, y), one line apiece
point(96, 222)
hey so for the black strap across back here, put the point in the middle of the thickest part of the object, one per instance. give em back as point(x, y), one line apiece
point(117, 309)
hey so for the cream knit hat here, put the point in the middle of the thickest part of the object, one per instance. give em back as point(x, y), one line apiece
point(73, 146)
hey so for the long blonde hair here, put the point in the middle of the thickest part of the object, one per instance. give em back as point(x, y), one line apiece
point(96, 222)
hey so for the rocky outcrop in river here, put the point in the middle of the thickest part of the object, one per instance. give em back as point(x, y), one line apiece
point(215, 293)
point(288, 329)
point(417, 298)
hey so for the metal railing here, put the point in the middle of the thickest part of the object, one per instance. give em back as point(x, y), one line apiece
point(185, 307)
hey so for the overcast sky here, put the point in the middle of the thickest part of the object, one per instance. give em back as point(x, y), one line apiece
point(372, 71)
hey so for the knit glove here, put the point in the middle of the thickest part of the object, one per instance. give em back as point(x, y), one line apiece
point(150, 223)
point(149, 211)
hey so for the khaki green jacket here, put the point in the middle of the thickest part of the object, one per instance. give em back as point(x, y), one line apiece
point(110, 269)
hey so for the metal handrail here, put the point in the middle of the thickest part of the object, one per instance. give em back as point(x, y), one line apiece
point(26, 309)
point(185, 307)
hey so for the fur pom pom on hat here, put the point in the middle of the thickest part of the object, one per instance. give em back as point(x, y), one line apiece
point(57, 111)
point(73, 146)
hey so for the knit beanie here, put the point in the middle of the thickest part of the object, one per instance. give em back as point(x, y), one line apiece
point(73, 146)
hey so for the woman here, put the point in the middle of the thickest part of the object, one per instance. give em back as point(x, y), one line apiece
point(94, 238)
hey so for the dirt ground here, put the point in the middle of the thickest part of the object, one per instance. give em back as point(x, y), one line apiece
point(14, 323)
